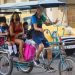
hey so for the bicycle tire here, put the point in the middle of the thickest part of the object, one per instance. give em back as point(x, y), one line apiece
point(27, 69)
point(68, 67)
point(5, 61)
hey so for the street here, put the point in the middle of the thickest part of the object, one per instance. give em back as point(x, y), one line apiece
point(40, 71)
point(34, 72)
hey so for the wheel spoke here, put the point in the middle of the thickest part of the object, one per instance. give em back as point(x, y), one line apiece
point(67, 67)
point(5, 65)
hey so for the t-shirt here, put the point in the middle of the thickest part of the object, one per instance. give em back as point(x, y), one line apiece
point(39, 22)
point(4, 29)
point(30, 41)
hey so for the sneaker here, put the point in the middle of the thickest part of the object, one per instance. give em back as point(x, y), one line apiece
point(68, 69)
point(12, 54)
point(36, 62)
point(17, 55)
point(50, 69)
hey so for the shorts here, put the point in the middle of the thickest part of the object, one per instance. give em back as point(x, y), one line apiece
point(39, 40)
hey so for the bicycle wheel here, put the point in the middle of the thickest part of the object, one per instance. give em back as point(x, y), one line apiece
point(6, 65)
point(67, 67)
point(26, 67)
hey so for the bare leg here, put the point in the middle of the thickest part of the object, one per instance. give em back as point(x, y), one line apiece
point(20, 43)
point(49, 57)
point(10, 50)
point(49, 54)
point(41, 46)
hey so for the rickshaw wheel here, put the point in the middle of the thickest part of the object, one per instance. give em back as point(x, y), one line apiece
point(26, 67)
point(6, 65)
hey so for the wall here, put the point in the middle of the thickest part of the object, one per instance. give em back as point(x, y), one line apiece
point(10, 1)
point(71, 15)
point(68, 1)
point(58, 13)
point(70, 12)
point(1, 1)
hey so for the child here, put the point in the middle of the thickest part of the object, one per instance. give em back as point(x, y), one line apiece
point(4, 31)
point(29, 39)
point(25, 26)
point(29, 47)
point(25, 29)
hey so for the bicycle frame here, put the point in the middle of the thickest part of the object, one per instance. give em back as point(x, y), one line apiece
point(58, 53)
point(25, 64)
point(58, 47)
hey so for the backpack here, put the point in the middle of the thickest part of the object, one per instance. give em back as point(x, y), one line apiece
point(29, 52)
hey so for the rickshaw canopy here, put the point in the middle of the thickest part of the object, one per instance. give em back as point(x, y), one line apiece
point(32, 4)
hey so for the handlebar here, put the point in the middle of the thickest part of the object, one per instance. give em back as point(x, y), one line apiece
point(54, 32)
point(58, 25)
point(48, 31)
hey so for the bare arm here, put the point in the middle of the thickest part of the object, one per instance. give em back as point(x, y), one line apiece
point(22, 30)
point(37, 29)
point(3, 34)
point(11, 31)
point(48, 22)
point(21, 33)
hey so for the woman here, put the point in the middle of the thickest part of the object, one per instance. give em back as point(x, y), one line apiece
point(16, 29)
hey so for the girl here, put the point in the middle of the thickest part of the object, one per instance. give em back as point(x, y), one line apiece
point(16, 29)
point(25, 30)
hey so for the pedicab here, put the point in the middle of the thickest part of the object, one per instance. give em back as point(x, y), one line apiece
point(26, 66)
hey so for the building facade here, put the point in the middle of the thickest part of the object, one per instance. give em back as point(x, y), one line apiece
point(70, 12)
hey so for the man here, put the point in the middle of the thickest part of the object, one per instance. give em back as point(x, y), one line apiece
point(37, 21)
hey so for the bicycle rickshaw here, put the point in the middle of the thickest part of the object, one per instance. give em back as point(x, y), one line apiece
point(6, 62)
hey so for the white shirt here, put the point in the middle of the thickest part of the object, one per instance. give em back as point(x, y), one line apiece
point(30, 41)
